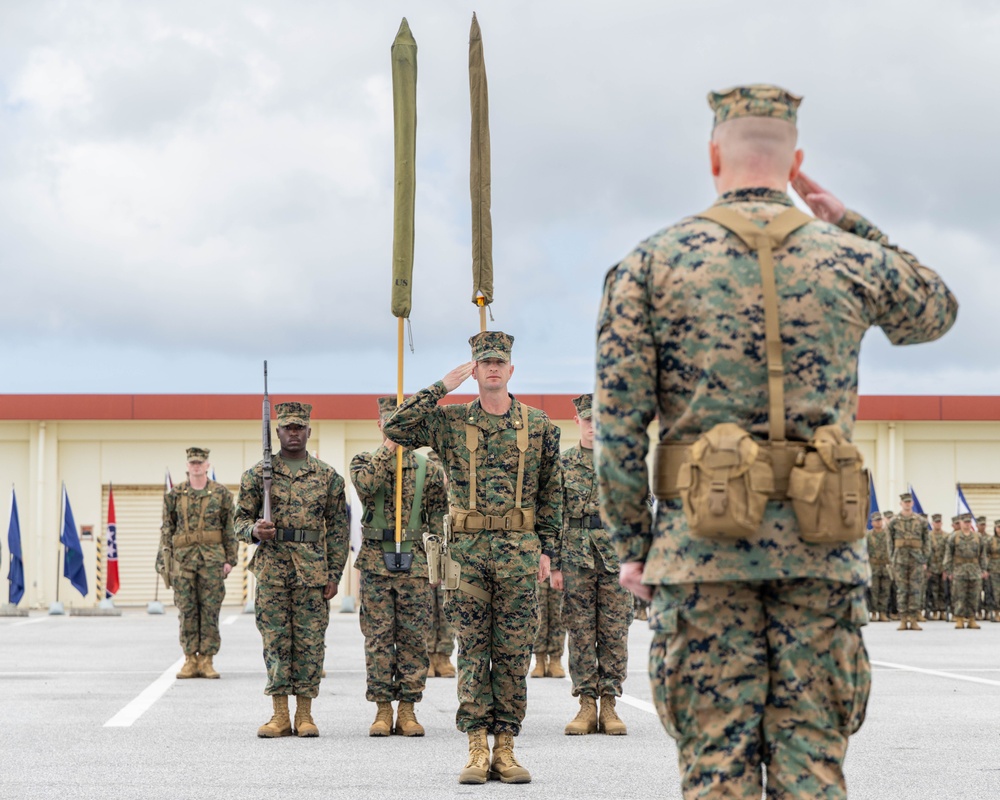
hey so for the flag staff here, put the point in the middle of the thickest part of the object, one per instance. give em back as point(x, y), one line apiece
point(404, 113)
point(479, 177)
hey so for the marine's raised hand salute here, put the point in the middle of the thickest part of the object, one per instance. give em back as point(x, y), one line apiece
point(821, 202)
point(458, 376)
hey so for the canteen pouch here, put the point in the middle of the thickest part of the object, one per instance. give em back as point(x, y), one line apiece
point(828, 488)
point(725, 484)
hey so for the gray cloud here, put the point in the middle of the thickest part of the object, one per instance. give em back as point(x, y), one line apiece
point(192, 183)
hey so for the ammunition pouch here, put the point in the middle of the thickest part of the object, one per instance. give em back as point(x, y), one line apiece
point(192, 538)
point(517, 519)
point(724, 485)
point(829, 489)
point(296, 535)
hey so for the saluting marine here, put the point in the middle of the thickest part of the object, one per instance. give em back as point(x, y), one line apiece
point(505, 492)
point(198, 548)
point(725, 331)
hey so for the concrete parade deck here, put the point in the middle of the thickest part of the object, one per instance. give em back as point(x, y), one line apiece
point(933, 727)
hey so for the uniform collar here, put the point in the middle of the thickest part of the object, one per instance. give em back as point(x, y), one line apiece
point(489, 422)
point(278, 464)
point(754, 194)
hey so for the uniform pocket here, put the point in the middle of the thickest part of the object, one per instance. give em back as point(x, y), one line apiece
point(857, 678)
point(663, 621)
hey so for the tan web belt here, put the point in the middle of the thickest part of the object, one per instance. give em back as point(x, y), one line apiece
point(913, 543)
point(197, 537)
point(467, 521)
point(389, 535)
point(296, 535)
point(965, 560)
point(670, 456)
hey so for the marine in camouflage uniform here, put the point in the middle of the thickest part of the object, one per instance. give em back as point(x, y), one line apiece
point(548, 647)
point(757, 656)
point(597, 609)
point(879, 559)
point(992, 546)
point(965, 561)
point(506, 517)
point(910, 541)
point(197, 550)
point(934, 598)
point(396, 604)
point(298, 563)
point(984, 600)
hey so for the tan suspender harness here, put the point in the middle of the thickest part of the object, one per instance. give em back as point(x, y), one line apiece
point(671, 455)
point(199, 535)
point(470, 521)
point(517, 519)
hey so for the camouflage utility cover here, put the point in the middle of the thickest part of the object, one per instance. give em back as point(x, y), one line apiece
point(681, 338)
point(755, 100)
point(312, 500)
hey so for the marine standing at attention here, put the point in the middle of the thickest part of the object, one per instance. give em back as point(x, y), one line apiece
point(396, 600)
point(505, 491)
point(597, 608)
point(299, 560)
point(744, 343)
point(198, 548)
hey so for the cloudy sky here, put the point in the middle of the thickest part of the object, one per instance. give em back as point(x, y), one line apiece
point(187, 188)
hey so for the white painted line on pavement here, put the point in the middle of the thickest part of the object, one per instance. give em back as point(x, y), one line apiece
point(146, 698)
point(635, 702)
point(938, 673)
point(31, 621)
point(231, 619)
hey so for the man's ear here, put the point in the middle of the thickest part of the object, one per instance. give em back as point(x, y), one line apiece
point(715, 158)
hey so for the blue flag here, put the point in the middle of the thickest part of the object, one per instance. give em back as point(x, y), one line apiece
point(962, 506)
point(917, 508)
point(872, 502)
point(73, 562)
point(16, 573)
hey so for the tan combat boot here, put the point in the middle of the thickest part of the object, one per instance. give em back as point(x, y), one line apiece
point(304, 725)
point(382, 726)
point(973, 624)
point(432, 666)
point(406, 721)
point(190, 668)
point(445, 669)
point(279, 724)
point(959, 623)
point(479, 758)
point(609, 722)
point(504, 766)
point(585, 720)
point(902, 623)
point(913, 624)
point(539, 670)
point(205, 668)
point(553, 668)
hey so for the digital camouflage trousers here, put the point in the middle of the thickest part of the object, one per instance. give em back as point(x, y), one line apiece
point(198, 595)
point(292, 622)
point(395, 617)
point(758, 674)
point(597, 611)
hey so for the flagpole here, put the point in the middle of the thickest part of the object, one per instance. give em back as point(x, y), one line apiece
point(62, 522)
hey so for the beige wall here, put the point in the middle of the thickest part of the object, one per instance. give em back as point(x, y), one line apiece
point(37, 457)
point(89, 455)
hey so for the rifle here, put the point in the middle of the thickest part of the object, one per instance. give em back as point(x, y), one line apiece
point(266, 441)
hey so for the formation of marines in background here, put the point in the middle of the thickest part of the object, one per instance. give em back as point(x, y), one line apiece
point(758, 667)
point(941, 575)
